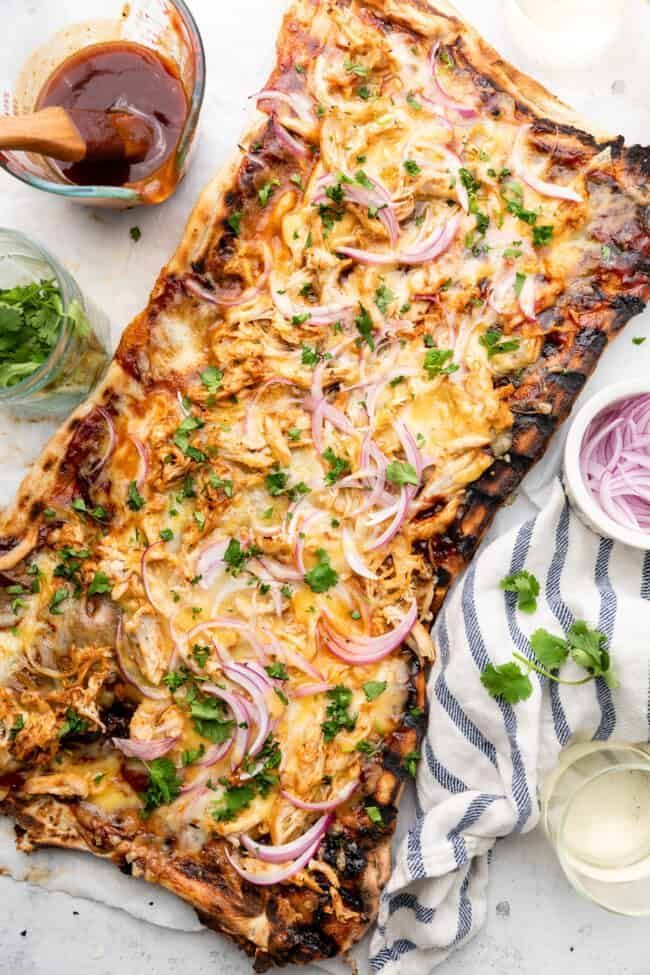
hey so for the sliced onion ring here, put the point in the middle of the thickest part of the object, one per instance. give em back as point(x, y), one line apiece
point(286, 851)
point(326, 805)
point(145, 750)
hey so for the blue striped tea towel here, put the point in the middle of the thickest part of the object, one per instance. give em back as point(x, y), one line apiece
point(482, 759)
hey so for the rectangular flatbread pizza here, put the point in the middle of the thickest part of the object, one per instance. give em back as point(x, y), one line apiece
point(218, 582)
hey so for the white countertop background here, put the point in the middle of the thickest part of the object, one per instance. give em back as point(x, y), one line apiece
point(535, 921)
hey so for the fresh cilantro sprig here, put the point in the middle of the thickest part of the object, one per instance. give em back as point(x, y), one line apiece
point(322, 576)
point(584, 644)
point(164, 784)
point(527, 588)
point(337, 715)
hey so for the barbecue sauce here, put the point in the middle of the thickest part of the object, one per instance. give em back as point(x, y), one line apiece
point(127, 77)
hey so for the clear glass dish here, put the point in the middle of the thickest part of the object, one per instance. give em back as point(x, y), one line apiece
point(79, 358)
point(43, 34)
point(596, 814)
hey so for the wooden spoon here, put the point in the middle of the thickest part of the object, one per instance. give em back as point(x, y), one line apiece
point(75, 134)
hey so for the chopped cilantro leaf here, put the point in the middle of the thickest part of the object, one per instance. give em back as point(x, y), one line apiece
point(374, 814)
point(400, 473)
point(322, 577)
point(491, 342)
point(265, 192)
point(74, 724)
point(412, 167)
point(212, 378)
point(438, 362)
point(542, 235)
point(527, 588)
point(339, 466)
point(234, 222)
point(134, 499)
point(164, 784)
point(507, 681)
point(373, 689)
point(363, 321)
point(99, 585)
point(277, 670)
point(235, 799)
point(337, 715)
point(384, 297)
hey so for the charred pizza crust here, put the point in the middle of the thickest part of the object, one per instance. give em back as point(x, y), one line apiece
point(287, 923)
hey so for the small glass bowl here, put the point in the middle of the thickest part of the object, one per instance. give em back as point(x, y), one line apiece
point(580, 497)
point(596, 813)
point(44, 34)
point(77, 361)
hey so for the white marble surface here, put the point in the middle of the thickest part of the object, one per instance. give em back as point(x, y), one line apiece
point(534, 921)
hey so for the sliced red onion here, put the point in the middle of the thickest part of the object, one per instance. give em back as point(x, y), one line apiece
point(209, 562)
point(290, 143)
point(466, 111)
point(539, 185)
point(145, 750)
point(527, 297)
point(217, 296)
point(400, 517)
point(377, 197)
point(251, 683)
point(300, 104)
point(328, 804)
point(284, 873)
point(278, 570)
point(242, 719)
point(353, 557)
point(309, 690)
point(318, 314)
point(144, 460)
point(615, 461)
point(112, 441)
point(214, 754)
point(145, 578)
point(502, 290)
point(430, 249)
point(287, 851)
point(411, 449)
point(366, 650)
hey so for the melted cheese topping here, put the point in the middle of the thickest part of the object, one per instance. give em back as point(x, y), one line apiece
point(347, 393)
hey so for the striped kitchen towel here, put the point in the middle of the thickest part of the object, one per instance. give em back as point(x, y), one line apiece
point(483, 759)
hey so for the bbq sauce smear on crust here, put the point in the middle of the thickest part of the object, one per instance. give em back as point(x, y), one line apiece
point(120, 76)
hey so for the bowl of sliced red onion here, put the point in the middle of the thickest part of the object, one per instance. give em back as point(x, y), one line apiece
point(607, 463)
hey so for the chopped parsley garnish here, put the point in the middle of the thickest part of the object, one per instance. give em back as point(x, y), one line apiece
point(400, 473)
point(182, 438)
point(212, 378)
point(221, 483)
point(58, 597)
point(322, 577)
point(135, 234)
point(339, 466)
point(412, 167)
point(513, 196)
point(310, 355)
point(542, 235)
point(491, 342)
point(277, 670)
point(234, 222)
point(374, 688)
point(277, 483)
point(74, 724)
point(527, 588)
point(236, 557)
point(100, 584)
point(134, 499)
point(235, 799)
point(31, 319)
point(208, 718)
point(438, 362)
point(520, 280)
point(363, 321)
point(337, 715)
point(201, 654)
point(410, 763)
point(266, 191)
point(357, 69)
point(17, 727)
point(164, 784)
point(384, 297)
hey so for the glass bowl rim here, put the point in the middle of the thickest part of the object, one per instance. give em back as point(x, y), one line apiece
point(124, 193)
point(70, 292)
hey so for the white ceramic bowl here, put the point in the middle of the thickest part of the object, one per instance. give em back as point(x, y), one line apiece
point(580, 497)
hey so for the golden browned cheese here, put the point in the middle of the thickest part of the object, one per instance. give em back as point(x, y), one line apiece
point(248, 505)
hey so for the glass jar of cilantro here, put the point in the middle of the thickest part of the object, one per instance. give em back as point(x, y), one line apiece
point(51, 355)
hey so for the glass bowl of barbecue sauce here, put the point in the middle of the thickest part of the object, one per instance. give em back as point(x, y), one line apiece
point(144, 57)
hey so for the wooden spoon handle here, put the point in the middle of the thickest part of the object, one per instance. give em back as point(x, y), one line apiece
point(50, 132)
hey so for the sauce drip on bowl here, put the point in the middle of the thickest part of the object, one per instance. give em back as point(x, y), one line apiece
point(129, 78)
